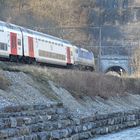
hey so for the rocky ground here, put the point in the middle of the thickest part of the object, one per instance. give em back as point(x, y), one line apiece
point(21, 91)
point(25, 85)
point(24, 89)
point(88, 106)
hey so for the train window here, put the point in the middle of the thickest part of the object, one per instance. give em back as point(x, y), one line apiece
point(1, 30)
point(19, 42)
point(51, 55)
point(42, 53)
point(3, 46)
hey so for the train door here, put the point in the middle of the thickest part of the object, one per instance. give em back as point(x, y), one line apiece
point(31, 47)
point(68, 55)
point(13, 40)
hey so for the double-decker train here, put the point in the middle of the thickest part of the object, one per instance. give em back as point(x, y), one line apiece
point(21, 44)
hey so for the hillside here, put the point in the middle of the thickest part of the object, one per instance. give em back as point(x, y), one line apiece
point(39, 102)
point(52, 103)
point(79, 92)
point(74, 19)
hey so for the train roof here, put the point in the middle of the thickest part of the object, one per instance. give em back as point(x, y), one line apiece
point(43, 35)
point(32, 32)
point(29, 31)
point(9, 26)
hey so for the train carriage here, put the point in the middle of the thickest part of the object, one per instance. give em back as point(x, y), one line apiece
point(18, 43)
point(44, 48)
point(51, 51)
point(10, 41)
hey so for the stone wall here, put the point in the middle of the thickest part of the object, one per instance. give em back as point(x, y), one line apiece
point(45, 122)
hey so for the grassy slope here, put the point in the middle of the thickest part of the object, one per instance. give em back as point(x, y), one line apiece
point(79, 83)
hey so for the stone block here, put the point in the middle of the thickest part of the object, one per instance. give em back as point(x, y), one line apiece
point(111, 121)
point(85, 135)
point(130, 117)
point(25, 130)
point(43, 136)
point(18, 138)
point(31, 137)
point(13, 122)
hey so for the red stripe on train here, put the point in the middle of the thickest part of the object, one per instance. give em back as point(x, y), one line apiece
point(68, 56)
point(31, 47)
point(13, 43)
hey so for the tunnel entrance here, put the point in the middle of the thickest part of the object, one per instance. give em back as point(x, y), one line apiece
point(116, 69)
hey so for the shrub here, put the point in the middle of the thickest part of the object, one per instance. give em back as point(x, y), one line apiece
point(4, 83)
point(91, 84)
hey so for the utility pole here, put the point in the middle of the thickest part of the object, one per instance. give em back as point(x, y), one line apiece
point(100, 49)
point(100, 41)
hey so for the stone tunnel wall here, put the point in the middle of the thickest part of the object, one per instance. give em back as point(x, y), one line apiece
point(48, 122)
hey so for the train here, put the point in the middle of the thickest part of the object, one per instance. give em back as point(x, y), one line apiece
point(21, 44)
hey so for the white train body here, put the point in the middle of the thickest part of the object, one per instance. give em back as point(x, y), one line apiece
point(10, 40)
point(22, 43)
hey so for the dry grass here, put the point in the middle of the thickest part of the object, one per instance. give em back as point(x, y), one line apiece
point(81, 83)
point(91, 84)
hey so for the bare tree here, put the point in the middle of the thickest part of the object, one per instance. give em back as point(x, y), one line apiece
point(136, 59)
